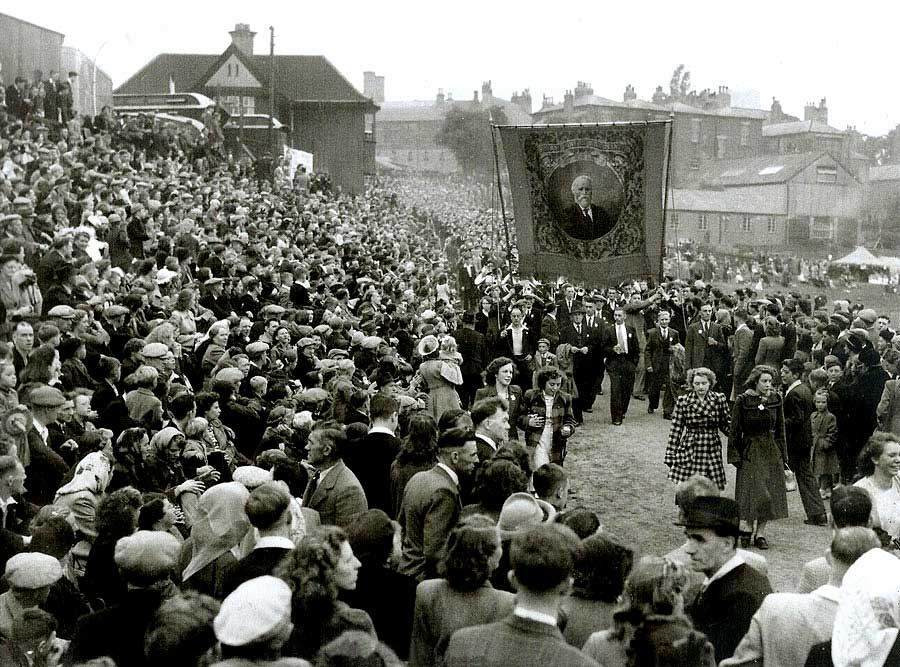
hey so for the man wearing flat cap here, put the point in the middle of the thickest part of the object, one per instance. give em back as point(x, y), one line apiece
point(146, 560)
point(46, 469)
point(732, 590)
point(29, 576)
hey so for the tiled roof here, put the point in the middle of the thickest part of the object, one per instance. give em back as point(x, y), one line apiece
point(757, 200)
point(299, 78)
point(420, 110)
point(799, 127)
point(758, 170)
point(678, 107)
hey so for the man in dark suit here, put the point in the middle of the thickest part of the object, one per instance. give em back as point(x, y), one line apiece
point(622, 351)
point(371, 456)
point(491, 421)
point(704, 341)
point(798, 407)
point(595, 325)
point(733, 590)
point(333, 491)
point(146, 561)
point(565, 306)
point(473, 348)
point(46, 469)
point(268, 509)
point(431, 504)
point(657, 357)
point(575, 333)
point(584, 220)
point(466, 274)
point(542, 561)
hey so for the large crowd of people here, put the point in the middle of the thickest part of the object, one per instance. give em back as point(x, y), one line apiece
point(246, 419)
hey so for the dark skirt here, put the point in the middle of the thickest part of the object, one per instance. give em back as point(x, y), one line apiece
point(759, 488)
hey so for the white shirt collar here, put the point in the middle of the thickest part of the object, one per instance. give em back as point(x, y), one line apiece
point(538, 616)
point(381, 429)
point(450, 472)
point(273, 542)
point(41, 429)
point(735, 561)
point(793, 384)
point(325, 471)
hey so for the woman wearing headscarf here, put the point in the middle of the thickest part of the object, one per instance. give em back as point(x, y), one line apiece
point(439, 374)
point(219, 527)
point(868, 615)
point(165, 473)
point(81, 495)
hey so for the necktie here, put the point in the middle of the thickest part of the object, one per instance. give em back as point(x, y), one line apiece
point(587, 214)
point(311, 489)
point(578, 328)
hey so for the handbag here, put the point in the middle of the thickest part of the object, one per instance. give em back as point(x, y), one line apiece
point(790, 480)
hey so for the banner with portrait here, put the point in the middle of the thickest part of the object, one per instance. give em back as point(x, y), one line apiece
point(588, 200)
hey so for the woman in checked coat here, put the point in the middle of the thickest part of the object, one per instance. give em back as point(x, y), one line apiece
point(694, 446)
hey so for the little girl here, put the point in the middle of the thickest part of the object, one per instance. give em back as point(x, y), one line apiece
point(824, 431)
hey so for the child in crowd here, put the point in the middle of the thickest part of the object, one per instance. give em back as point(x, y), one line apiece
point(824, 431)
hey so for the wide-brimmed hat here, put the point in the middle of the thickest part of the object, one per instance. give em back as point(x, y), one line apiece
point(522, 510)
point(428, 345)
point(715, 512)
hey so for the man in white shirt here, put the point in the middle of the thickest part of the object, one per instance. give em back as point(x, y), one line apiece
point(788, 625)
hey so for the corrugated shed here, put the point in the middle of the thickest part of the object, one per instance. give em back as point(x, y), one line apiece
point(757, 170)
point(799, 127)
point(759, 200)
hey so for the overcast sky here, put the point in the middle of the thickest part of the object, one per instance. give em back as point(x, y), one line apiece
point(795, 51)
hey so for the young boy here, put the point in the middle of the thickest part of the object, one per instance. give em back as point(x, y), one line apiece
point(824, 431)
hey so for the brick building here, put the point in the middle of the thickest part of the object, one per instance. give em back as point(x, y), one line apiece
point(407, 132)
point(322, 111)
point(769, 201)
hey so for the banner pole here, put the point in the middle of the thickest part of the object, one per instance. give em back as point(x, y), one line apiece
point(666, 194)
point(500, 194)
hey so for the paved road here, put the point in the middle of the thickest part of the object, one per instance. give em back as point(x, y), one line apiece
point(618, 472)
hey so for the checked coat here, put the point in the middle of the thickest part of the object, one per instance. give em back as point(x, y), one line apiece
point(560, 415)
point(694, 446)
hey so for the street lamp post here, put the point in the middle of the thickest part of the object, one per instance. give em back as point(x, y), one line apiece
point(94, 79)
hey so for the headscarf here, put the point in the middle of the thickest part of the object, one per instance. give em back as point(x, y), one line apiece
point(160, 441)
point(92, 474)
point(868, 615)
point(219, 526)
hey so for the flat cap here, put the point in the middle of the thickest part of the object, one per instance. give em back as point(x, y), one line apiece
point(257, 347)
point(147, 553)
point(251, 476)
point(62, 311)
point(307, 342)
point(370, 342)
point(213, 281)
point(154, 350)
point(230, 375)
point(253, 611)
point(47, 397)
point(32, 570)
point(111, 312)
point(337, 353)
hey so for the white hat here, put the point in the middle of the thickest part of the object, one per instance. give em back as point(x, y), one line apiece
point(253, 610)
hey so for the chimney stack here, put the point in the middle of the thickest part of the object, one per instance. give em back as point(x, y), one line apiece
point(439, 100)
point(487, 95)
point(242, 38)
point(569, 102)
point(373, 87)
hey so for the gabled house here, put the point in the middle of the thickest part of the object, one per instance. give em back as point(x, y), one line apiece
point(324, 113)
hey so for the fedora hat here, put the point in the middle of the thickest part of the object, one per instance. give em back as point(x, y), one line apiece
point(719, 514)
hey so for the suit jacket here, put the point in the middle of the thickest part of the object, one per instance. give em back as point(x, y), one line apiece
point(370, 459)
point(742, 362)
point(440, 611)
point(512, 642)
point(698, 352)
point(658, 352)
point(515, 406)
point(786, 627)
point(473, 348)
point(889, 407)
point(798, 408)
point(339, 498)
point(430, 509)
point(257, 563)
point(550, 330)
point(723, 611)
point(610, 340)
point(577, 225)
point(46, 470)
point(116, 631)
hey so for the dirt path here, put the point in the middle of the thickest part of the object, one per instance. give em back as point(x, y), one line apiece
point(618, 472)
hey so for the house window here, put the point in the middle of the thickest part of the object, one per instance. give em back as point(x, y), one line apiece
point(703, 222)
point(695, 163)
point(232, 104)
point(695, 130)
point(821, 228)
point(673, 220)
point(745, 223)
point(826, 174)
point(771, 226)
point(745, 133)
point(370, 123)
point(721, 141)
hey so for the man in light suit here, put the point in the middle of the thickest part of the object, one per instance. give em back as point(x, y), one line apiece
point(431, 504)
point(542, 560)
point(788, 625)
point(657, 357)
point(741, 343)
point(333, 491)
point(622, 351)
point(704, 340)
